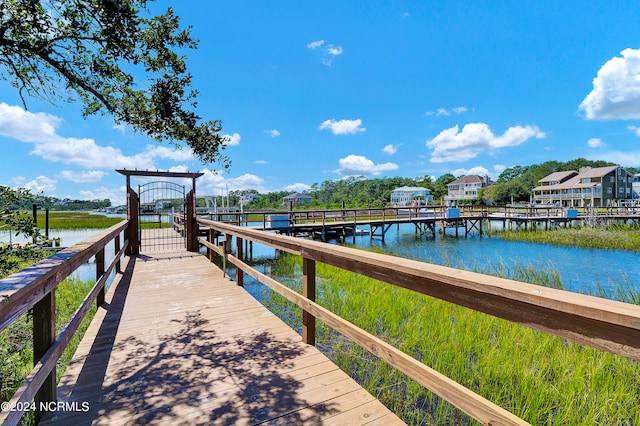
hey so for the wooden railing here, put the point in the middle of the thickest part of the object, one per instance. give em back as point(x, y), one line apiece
point(34, 288)
point(301, 217)
point(604, 324)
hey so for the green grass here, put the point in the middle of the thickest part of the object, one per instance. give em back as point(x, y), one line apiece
point(615, 237)
point(76, 220)
point(541, 378)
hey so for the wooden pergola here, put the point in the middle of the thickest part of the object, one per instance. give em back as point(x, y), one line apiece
point(133, 205)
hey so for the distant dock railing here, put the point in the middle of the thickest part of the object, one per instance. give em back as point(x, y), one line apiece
point(292, 218)
point(34, 288)
point(604, 324)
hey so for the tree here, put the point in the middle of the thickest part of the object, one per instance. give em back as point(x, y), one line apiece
point(505, 192)
point(12, 255)
point(511, 173)
point(440, 188)
point(115, 58)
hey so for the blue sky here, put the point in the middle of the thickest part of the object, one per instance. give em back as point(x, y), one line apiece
point(315, 91)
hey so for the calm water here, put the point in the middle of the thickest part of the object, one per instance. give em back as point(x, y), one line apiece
point(578, 267)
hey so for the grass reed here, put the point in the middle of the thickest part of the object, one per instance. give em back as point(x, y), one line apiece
point(76, 220)
point(541, 378)
point(613, 237)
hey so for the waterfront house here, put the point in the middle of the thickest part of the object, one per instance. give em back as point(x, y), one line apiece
point(466, 188)
point(408, 195)
point(297, 198)
point(635, 187)
point(589, 187)
point(248, 198)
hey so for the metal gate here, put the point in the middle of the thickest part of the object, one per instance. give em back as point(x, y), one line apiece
point(161, 217)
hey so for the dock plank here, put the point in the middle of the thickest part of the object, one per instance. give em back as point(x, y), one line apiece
point(178, 343)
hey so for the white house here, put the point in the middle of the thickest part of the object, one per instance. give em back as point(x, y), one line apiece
point(296, 198)
point(466, 188)
point(407, 195)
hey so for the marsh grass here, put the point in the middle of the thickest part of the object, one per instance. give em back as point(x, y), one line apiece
point(613, 237)
point(16, 347)
point(76, 220)
point(541, 378)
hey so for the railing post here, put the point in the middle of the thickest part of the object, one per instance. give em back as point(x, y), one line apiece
point(308, 291)
point(116, 243)
point(239, 255)
point(99, 272)
point(212, 237)
point(44, 334)
point(226, 248)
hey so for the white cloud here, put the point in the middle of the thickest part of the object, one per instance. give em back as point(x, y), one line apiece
point(342, 127)
point(635, 130)
point(478, 170)
point(499, 168)
point(297, 187)
point(180, 169)
point(120, 127)
point(358, 165)
point(390, 149)
point(40, 129)
point(231, 140)
point(116, 195)
point(334, 51)
point(26, 126)
point(315, 44)
point(86, 176)
point(330, 54)
point(213, 183)
point(443, 111)
point(475, 138)
point(273, 133)
point(328, 51)
point(154, 151)
point(260, 162)
point(41, 184)
point(616, 89)
point(595, 143)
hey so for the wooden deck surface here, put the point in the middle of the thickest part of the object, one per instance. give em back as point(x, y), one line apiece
point(180, 344)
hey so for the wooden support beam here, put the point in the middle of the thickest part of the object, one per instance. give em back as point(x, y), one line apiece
point(239, 255)
point(117, 247)
point(309, 291)
point(99, 273)
point(44, 334)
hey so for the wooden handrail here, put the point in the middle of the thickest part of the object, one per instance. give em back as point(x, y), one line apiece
point(33, 287)
point(605, 324)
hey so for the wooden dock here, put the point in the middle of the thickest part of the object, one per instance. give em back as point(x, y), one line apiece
point(178, 343)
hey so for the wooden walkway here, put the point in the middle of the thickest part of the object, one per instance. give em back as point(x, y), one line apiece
point(179, 344)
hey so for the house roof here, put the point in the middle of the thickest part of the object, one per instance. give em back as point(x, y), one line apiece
point(596, 171)
point(411, 188)
point(296, 196)
point(558, 176)
point(471, 179)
